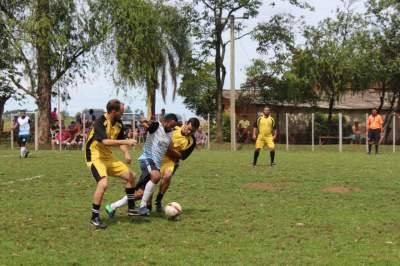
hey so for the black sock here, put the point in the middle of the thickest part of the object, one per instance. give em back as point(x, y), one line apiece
point(159, 197)
point(376, 149)
point(272, 155)
point(95, 210)
point(369, 148)
point(256, 154)
point(130, 193)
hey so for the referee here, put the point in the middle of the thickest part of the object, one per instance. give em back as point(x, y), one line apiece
point(375, 123)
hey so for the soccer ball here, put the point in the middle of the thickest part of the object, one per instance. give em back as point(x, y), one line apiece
point(173, 210)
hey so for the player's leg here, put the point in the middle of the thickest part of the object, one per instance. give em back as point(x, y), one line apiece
point(259, 146)
point(100, 175)
point(155, 177)
point(271, 146)
point(166, 181)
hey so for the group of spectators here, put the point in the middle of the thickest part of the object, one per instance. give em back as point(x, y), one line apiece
point(71, 136)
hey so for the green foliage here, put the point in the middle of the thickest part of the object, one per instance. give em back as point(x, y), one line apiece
point(148, 39)
point(321, 126)
point(198, 88)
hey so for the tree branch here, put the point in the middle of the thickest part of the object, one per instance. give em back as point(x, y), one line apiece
point(240, 37)
point(68, 65)
point(207, 5)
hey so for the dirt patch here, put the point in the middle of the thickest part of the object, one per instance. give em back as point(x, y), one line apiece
point(342, 189)
point(268, 186)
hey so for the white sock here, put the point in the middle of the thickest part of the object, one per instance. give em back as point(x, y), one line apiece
point(22, 151)
point(119, 203)
point(148, 191)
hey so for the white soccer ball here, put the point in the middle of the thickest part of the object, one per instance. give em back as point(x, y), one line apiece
point(173, 210)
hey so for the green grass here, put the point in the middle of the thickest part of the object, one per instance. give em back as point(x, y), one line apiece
point(45, 221)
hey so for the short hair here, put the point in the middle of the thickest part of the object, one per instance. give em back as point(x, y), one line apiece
point(194, 122)
point(169, 117)
point(113, 105)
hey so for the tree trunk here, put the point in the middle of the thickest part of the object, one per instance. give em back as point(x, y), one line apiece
point(151, 101)
point(2, 104)
point(44, 73)
point(220, 83)
point(382, 96)
point(388, 119)
point(330, 111)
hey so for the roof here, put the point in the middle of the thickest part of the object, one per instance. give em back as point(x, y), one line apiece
point(350, 101)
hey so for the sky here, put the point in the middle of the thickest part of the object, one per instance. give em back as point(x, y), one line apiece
point(97, 88)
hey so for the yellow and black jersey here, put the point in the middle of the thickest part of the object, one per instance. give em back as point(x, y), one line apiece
point(183, 144)
point(265, 126)
point(103, 128)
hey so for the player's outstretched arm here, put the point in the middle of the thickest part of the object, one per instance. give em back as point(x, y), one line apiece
point(119, 142)
point(125, 149)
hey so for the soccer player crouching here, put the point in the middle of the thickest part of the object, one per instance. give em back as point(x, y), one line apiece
point(108, 131)
point(265, 125)
point(183, 144)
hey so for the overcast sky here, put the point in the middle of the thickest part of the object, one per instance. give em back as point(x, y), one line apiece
point(97, 89)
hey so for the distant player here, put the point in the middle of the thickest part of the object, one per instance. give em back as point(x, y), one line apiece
point(375, 125)
point(108, 131)
point(183, 143)
point(24, 128)
point(157, 143)
point(264, 133)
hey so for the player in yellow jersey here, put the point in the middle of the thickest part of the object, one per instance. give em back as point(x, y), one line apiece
point(264, 133)
point(183, 144)
point(108, 131)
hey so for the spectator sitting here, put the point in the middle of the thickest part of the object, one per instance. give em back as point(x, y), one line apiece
point(356, 137)
point(243, 130)
point(54, 116)
point(64, 137)
point(201, 138)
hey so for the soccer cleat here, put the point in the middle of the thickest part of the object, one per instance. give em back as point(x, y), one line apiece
point(159, 207)
point(110, 211)
point(150, 207)
point(98, 223)
point(273, 164)
point(143, 211)
point(133, 212)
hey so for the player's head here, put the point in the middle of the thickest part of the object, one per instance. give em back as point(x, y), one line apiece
point(267, 111)
point(356, 122)
point(191, 126)
point(22, 113)
point(169, 122)
point(90, 111)
point(374, 111)
point(115, 108)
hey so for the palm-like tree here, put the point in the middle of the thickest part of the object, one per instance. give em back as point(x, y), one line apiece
point(151, 40)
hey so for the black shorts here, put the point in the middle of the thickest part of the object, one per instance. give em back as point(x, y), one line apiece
point(23, 139)
point(374, 135)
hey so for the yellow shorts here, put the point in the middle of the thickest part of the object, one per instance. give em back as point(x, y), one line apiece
point(167, 165)
point(265, 141)
point(102, 168)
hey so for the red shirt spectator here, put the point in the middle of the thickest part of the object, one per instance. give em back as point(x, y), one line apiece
point(65, 135)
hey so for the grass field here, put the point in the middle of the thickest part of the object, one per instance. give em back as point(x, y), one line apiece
point(233, 214)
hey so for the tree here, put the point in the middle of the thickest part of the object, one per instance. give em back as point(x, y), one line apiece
point(50, 39)
point(210, 18)
point(329, 53)
point(148, 39)
point(198, 88)
point(383, 56)
point(7, 71)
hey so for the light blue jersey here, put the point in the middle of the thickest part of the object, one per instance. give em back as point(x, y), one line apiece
point(156, 145)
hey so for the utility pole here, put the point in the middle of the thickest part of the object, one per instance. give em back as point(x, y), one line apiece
point(232, 81)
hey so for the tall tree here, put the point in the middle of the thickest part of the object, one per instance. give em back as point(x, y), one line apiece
point(330, 54)
point(210, 19)
point(50, 39)
point(198, 88)
point(149, 38)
